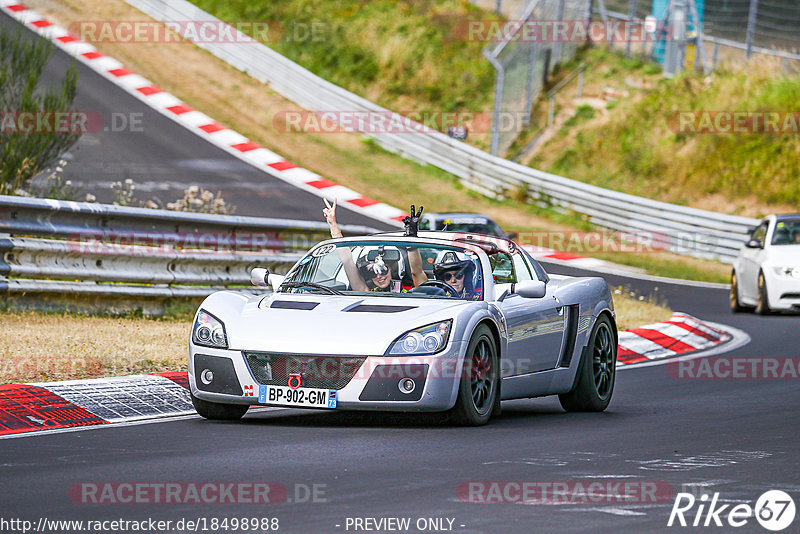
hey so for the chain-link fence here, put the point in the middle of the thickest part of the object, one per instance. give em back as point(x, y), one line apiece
point(732, 30)
point(526, 51)
point(527, 48)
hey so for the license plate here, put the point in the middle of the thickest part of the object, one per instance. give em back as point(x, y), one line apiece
point(300, 397)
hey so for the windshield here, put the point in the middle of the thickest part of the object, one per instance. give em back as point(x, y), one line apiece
point(473, 225)
point(787, 232)
point(388, 268)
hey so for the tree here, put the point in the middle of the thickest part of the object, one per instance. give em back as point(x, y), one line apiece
point(24, 153)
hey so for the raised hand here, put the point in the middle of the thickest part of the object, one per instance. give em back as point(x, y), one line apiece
point(330, 216)
point(330, 211)
point(412, 221)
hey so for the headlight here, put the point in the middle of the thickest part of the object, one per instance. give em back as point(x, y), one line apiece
point(209, 331)
point(793, 272)
point(425, 340)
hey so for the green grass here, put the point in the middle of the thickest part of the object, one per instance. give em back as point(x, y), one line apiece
point(640, 149)
point(409, 55)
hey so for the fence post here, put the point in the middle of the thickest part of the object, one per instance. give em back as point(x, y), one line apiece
point(751, 26)
point(631, 16)
point(498, 6)
point(558, 44)
point(716, 55)
point(533, 52)
point(551, 110)
point(498, 99)
point(580, 82)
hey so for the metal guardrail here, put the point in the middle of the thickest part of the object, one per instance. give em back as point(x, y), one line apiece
point(55, 247)
point(687, 230)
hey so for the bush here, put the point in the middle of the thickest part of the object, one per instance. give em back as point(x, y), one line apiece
point(25, 154)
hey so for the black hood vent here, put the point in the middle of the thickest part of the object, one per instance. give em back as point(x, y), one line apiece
point(294, 304)
point(377, 308)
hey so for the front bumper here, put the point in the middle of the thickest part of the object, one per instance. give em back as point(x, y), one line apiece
point(783, 292)
point(373, 386)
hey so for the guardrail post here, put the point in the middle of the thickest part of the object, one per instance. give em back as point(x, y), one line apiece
point(751, 27)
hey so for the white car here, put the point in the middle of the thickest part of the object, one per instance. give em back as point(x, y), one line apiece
point(766, 274)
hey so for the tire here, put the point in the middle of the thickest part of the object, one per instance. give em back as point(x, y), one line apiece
point(594, 383)
point(762, 308)
point(217, 411)
point(479, 387)
point(736, 306)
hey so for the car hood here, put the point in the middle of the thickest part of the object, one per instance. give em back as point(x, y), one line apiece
point(784, 256)
point(330, 324)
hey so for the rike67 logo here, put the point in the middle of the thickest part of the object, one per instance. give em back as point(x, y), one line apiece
point(774, 510)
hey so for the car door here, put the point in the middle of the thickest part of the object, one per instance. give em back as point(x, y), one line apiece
point(535, 327)
point(750, 263)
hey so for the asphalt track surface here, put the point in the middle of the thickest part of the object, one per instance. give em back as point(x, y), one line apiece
point(163, 158)
point(736, 437)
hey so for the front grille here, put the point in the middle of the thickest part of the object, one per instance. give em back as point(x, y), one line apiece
point(324, 372)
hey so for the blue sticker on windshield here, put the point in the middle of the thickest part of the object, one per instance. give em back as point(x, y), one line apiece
point(305, 260)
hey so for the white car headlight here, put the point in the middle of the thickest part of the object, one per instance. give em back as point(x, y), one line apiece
point(793, 272)
point(428, 339)
point(209, 331)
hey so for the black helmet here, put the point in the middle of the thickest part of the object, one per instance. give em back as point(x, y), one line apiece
point(450, 262)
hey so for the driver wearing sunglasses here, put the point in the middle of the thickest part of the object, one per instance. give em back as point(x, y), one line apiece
point(457, 274)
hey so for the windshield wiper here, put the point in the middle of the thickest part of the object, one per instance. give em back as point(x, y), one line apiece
point(294, 283)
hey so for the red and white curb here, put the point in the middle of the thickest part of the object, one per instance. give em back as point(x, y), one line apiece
point(682, 334)
point(79, 403)
point(198, 122)
point(56, 406)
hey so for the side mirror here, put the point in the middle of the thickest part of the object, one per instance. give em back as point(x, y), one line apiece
point(754, 243)
point(512, 235)
point(275, 280)
point(530, 289)
point(258, 277)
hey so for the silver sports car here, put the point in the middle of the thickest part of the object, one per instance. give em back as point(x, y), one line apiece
point(441, 321)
